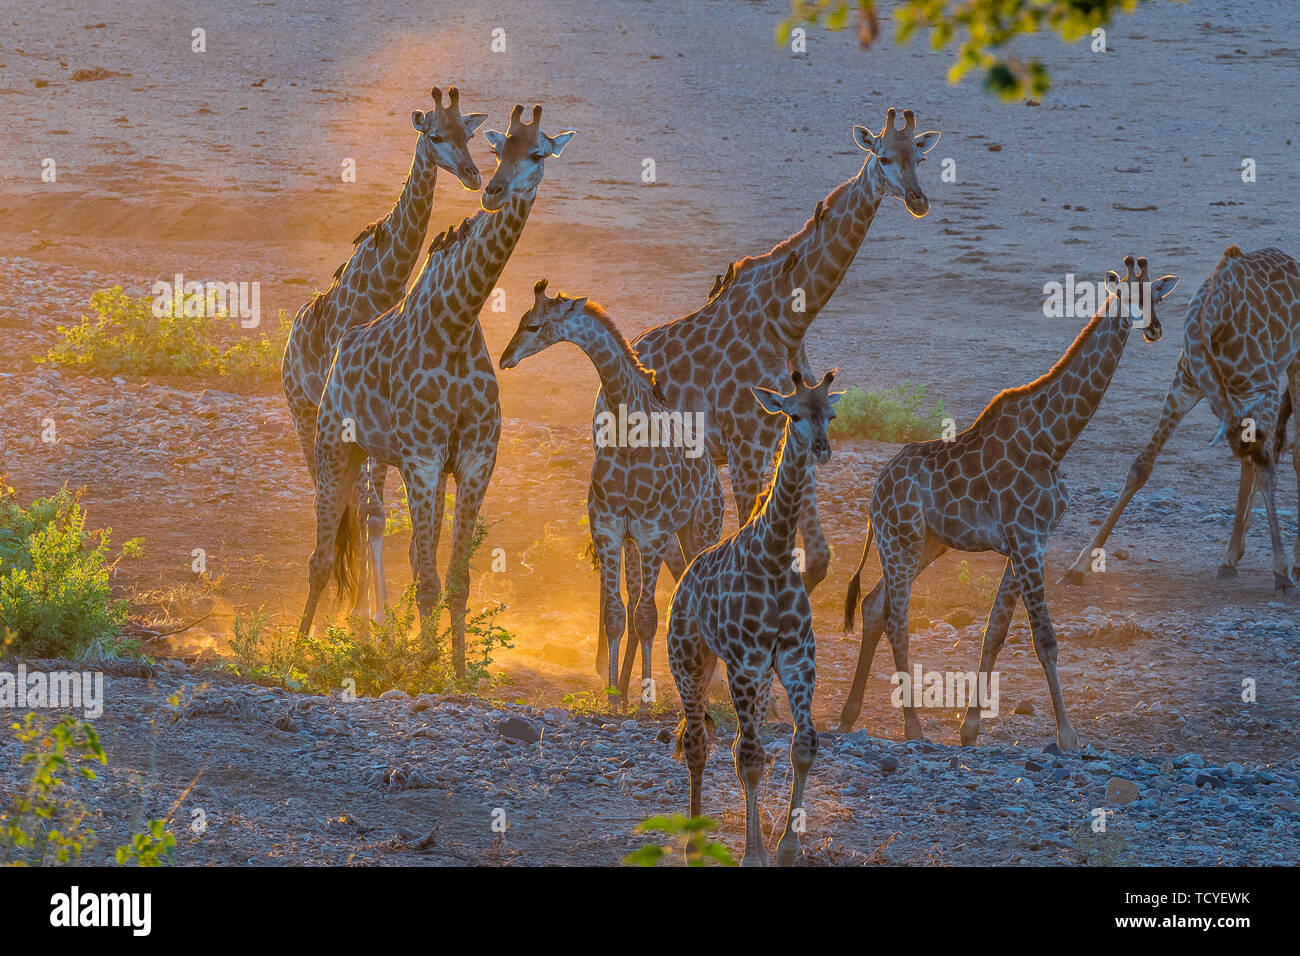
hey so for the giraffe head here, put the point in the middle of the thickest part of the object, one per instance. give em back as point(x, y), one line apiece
point(546, 323)
point(808, 411)
point(898, 152)
point(1137, 294)
point(521, 152)
point(446, 133)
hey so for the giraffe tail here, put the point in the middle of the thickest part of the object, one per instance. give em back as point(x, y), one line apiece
point(855, 586)
point(346, 557)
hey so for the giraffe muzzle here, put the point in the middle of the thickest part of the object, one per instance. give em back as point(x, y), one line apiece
point(917, 204)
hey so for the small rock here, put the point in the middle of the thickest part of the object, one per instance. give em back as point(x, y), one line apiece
point(1024, 707)
point(516, 728)
point(394, 694)
point(888, 764)
point(1119, 790)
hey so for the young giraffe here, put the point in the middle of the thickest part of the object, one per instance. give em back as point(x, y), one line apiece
point(657, 495)
point(743, 601)
point(995, 487)
point(372, 281)
point(415, 389)
point(752, 328)
point(1240, 337)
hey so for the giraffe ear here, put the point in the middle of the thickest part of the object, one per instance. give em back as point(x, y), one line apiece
point(472, 121)
point(1112, 282)
point(1162, 287)
point(559, 140)
point(834, 397)
point(927, 141)
point(419, 120)
point(864, 138)
point(496, 140)
point(773, 402)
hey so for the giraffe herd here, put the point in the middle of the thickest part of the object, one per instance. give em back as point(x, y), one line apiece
point(377, 375)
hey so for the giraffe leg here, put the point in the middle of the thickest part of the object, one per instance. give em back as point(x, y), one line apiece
point(645, 616)
point(421, 495)
point(607, 539)
point(1293, 384)
point(995, 634)
point(874, 616)
point(816, 550)
point(471, 486)
point(376, 527)
point(873, 625)
point(370, 504)
point(797, 671)
point(692, 665)
point(899, 574)
point(304, 423)
point(1246, 490)
point(1183, 395)
point(1282, 583)
point(337, 464)
point(1027, 560)
point(748, 693)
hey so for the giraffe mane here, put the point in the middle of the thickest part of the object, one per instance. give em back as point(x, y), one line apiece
point(780, 252)
point(597, 312)
point(1007, 395)
point(378, 229)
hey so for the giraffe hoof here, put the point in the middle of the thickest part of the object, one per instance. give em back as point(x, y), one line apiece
point(757, 858)
point(787, 851)
point(1282, 585)
point(1067, 739)
point(969, 735)
point(1072, 577)
point(1226, 571)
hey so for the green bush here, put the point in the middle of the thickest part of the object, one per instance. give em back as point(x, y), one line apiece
point(54, 592)
point(896, 413)
point(371, 657)
point(125, 337)
point(43, 827)
point(690, 836)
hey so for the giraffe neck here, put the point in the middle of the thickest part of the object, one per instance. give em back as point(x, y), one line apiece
point(1074, 388)
point(777, 516)
point(625, 380)
point(461, 273)
point(825, 249)
point(409, 221)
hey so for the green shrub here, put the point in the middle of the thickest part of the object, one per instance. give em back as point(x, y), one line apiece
point(371, 657)
point(42, 827)
point(54, 592)
point(893, 414)
point(125, 337)
point(689, 835)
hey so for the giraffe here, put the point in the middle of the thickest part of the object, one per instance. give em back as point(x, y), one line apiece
point(655, 489)
point(743, 600)
point(372, 281)
point(415, 389)
point(753, 325)
point(995, 487)
point(1241, 335)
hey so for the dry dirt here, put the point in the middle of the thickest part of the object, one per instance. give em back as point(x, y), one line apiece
point(225, 165)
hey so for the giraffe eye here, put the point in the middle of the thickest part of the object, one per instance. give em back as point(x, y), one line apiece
point(884, 160)
point(538, 157)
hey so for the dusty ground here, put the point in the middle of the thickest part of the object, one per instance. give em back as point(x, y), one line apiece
point(224, 165)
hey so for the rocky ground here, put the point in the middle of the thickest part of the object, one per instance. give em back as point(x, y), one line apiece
point(282, 778)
